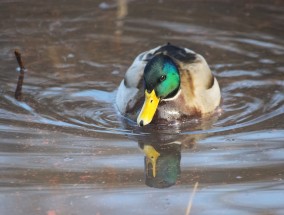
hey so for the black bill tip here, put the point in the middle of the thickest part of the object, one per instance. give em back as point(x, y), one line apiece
point(141, 123)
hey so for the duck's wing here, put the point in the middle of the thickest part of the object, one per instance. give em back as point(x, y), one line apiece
point(200, 88)
point(179, 54)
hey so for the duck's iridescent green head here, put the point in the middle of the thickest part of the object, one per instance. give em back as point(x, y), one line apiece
point(161, 74)
point(162, 80)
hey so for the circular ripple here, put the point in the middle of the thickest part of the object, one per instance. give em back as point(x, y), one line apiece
point(248, 67)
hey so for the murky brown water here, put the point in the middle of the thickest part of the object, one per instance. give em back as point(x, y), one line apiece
point(65, 150)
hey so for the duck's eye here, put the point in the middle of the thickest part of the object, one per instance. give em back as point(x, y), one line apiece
point(162, 78)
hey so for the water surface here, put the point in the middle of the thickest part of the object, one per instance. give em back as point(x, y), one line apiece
point(64, 149)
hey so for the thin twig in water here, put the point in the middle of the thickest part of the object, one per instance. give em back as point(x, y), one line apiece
point(18, 92)
point(188, 209)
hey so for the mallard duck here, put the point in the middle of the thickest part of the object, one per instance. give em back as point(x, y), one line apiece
point(167, 83)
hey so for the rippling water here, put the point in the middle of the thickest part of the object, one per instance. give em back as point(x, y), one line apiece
point(65, 149)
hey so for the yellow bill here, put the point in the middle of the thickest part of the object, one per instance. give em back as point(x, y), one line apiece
point(149, 108)
point(151, 158)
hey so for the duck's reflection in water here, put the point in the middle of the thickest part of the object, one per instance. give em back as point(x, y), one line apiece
point(163, 153)
point(162, 146)
point(162, 163)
